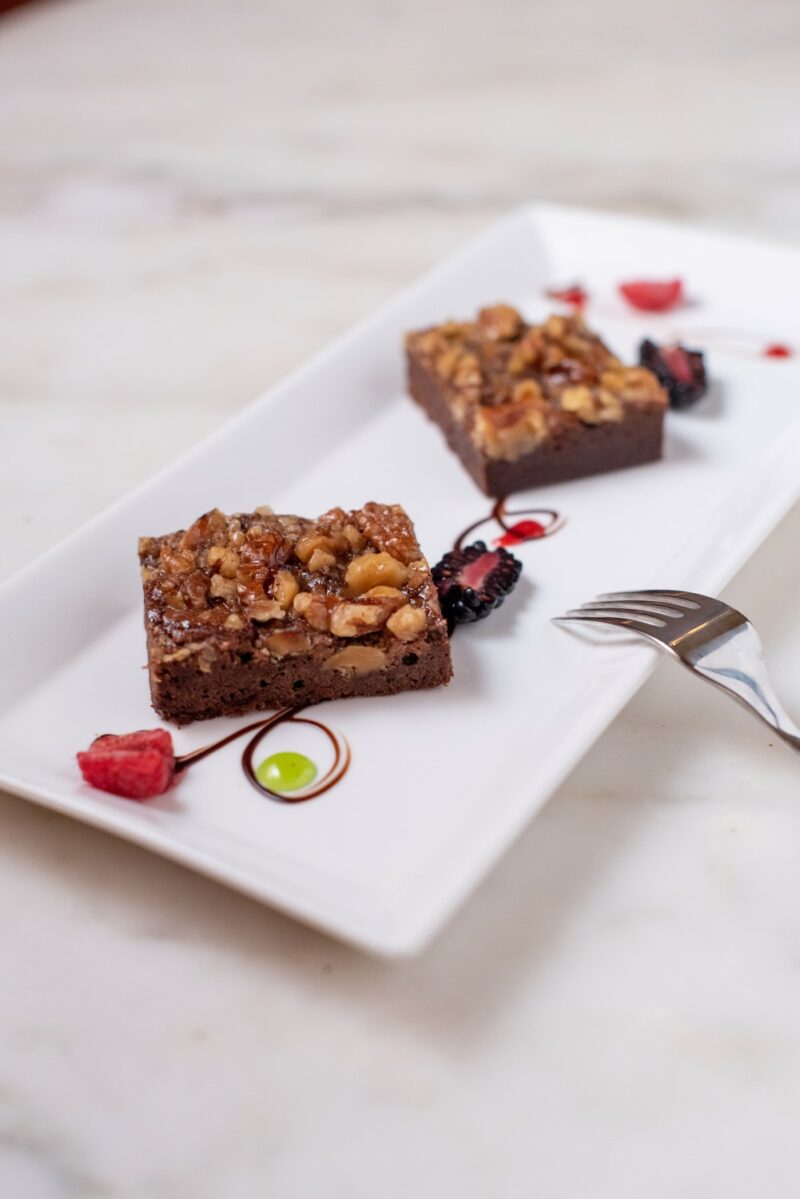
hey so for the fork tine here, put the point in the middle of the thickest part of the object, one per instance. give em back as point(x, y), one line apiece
point(634, 606)
point(682, 599)
point(658, 622)
point(611, 616)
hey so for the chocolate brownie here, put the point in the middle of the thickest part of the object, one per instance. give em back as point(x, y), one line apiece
point(263, 611)
point(523, 405)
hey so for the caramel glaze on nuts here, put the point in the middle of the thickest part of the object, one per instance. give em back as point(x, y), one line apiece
point(514, 385)
point(352, 589)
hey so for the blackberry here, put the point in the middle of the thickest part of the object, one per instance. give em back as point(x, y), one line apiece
point(473, 581)
point(680, 371)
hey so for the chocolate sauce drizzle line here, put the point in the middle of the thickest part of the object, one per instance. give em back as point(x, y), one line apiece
point(335, 773)
point(499, 513)
point(337, 770)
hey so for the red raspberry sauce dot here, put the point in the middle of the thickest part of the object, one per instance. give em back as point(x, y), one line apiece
point(575, 295)
point(776, 350)
point(523, 530)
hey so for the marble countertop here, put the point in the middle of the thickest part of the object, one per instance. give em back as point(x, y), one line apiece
point(193, 198)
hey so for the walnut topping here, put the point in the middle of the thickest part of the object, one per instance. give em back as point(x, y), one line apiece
point(363, 659)
point(459, 366)
point(285, 588)
point(527, 353)
point(387, 528)
point(386, 592)
point(431, 343)
point(510, 430)
point(370, 569)
point(314, 609)
point(344, 575)
point(556, 327)
point(354, 537)
point(522, 383)
point(222, 588)
point(354, 620)
point(321, 560)
point(225, 560)
point(499, 323)
point(640, 386)
point(264, 610)
point(307, 546)
point(204, 529)
point(407, 623)
point(286, 642)
point(176, 561)
point(593, 406)
point(528, 391)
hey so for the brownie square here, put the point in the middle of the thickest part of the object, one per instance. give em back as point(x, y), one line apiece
point(256, 611)
point(524, 405)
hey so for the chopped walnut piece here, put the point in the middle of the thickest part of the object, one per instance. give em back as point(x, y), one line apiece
point(430, 343)
point(314, 610)
point(557, 327)
point(234, 621)
point(227, 561)
point(640, 386)
point(460, 367)
point(354, 620)
point(354, 537)
point(363, 659)
point(195, 589)
point(321, 560)
point(509, 430)
point(527, 353)
point(204, 529)
point(499, 323)
point(222, 588)
point(593, 406)
point(286, 642)
point(285, 588)
point(407, 623)
point(527, 391)
point(309, 544)
point(387, 592)
point(176, 561)
point(263, 610)
point(370, 570)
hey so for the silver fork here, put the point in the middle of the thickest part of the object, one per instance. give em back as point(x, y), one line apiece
point(707, 636)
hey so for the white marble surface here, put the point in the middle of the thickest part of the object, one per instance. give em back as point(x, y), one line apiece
point(193, 197)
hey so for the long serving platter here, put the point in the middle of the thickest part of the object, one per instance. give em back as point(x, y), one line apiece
point(438, 784)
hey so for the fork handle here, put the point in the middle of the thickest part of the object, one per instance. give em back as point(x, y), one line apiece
point(751, 688)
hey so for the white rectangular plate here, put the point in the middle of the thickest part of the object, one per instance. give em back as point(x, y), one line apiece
point(441, 782)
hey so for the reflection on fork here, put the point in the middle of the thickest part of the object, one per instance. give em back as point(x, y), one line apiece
point(706, 635)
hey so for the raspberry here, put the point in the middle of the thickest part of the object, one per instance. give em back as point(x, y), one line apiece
point(136, 765)
point(650, 295)
point(679, 370)
point(473, 581)
point(158, 739)
point(574, 295)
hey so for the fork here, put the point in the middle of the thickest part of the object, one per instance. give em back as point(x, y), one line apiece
point(707, 636)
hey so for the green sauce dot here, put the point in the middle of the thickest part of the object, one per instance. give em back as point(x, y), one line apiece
point(286, 772)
